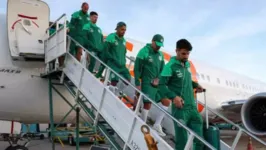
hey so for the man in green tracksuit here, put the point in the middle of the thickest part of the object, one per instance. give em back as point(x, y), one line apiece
point(176, 84)
point(93, 39)
point(115, 53)
point(78, 20)
point(148, 66)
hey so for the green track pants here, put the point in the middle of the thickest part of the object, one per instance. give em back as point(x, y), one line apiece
point(74, 46)
point(92, 62)
point(190, 117)
point(102, 67)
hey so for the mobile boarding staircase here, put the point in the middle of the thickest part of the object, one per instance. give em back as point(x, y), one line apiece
point(102, 105)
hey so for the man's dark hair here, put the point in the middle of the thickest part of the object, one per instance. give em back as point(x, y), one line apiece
point(84, 3)
point(93, 13)
point(183, 44)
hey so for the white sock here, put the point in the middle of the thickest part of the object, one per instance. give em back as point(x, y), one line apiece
point(144, 114)
point(160, 115)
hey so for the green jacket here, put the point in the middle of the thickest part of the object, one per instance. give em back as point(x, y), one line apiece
point(93, 37)
point(115, 50)
point(176, 80)
point(78, 20)
point(148, 65)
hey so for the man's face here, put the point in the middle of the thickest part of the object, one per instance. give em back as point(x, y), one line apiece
point(85, 8)
point(155, 47)
point(94, 18)
point(121, 31)
point(182, 54)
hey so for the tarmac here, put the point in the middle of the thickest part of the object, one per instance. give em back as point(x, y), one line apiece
point(226, 135)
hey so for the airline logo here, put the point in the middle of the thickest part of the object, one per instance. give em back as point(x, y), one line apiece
point(9, 70)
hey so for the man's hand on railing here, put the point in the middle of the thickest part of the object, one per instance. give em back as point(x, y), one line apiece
point(200, 89)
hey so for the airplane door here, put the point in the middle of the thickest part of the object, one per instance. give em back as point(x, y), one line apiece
point(27, 23)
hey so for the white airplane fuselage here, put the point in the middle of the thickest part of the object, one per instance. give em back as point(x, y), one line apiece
point(24, 95)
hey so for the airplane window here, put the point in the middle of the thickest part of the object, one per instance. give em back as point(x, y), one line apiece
point(208, 78)
point(230, 83)
point(234, 85)
point(198, 76)
point(218, 80)
point(202, 76)
point(226, 82)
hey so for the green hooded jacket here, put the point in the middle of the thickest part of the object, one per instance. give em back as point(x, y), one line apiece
point(78, 20)
point(148, 65)
point(115, 50)
point(93, 37)
point(176, 80)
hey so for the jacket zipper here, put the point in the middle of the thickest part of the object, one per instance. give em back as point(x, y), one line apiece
point(183, 80)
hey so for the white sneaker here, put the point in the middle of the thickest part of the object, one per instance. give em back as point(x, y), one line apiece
point(159, 129)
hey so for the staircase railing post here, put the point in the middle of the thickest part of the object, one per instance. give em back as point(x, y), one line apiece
point(51, 112)
point(77, 128)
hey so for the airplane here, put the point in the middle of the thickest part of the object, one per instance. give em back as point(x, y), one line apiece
point(24, 94)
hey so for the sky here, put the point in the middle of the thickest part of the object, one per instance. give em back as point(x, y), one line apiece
point(224, 33)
